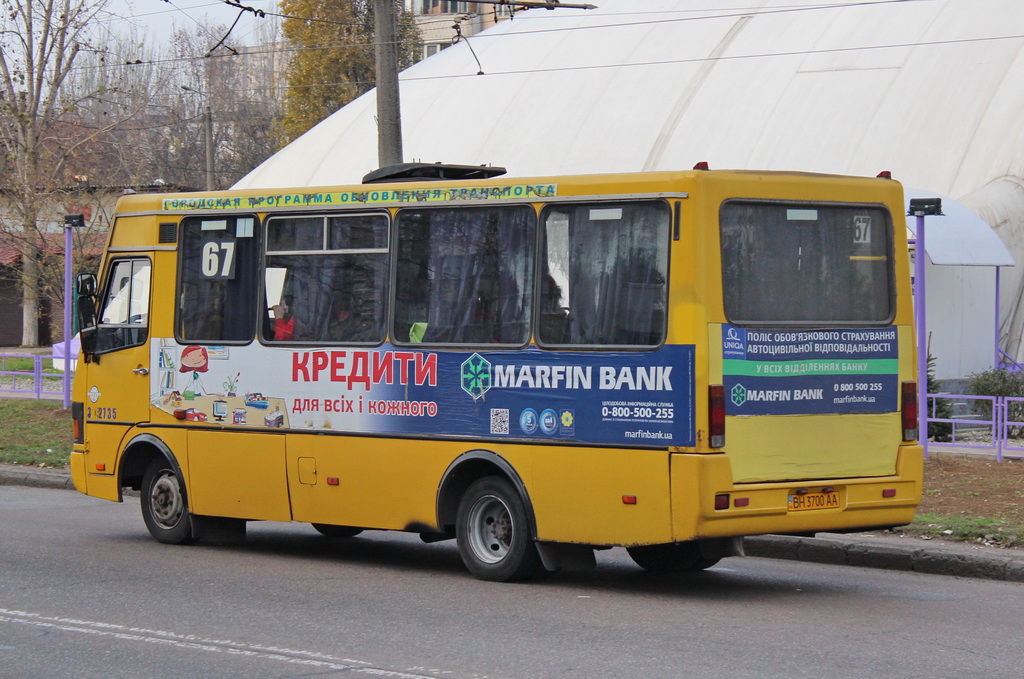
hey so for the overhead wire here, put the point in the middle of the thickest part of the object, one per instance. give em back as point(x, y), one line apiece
point(260, 51)
point(733, 12)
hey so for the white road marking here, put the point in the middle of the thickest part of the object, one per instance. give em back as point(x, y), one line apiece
point(193, 642)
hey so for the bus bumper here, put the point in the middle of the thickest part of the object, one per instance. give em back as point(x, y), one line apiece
point(77, 464)
point(702, 482)
point(103, 486)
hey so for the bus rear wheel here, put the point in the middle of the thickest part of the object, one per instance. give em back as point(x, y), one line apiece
point(492, 532)
point(332, 531)
point(679, 557)
point(164, 504)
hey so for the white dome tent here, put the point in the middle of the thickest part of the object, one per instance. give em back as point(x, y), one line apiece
point(926, 89)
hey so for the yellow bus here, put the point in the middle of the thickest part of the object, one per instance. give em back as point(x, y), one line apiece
point(537, 368)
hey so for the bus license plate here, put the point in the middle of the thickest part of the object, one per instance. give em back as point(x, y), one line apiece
point(800, 503)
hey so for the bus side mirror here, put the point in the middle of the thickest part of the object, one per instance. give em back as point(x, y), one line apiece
point(85, 284)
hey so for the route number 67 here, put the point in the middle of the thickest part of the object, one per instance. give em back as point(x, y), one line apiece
point(218, 260)
point(862, 229)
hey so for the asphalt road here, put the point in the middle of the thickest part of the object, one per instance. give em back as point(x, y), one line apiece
point(84, 592)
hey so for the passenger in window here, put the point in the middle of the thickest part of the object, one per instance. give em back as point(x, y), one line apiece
point(347, 326)
point(554, 318)
point(284, 320)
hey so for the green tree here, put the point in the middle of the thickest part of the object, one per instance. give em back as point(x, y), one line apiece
point(334, 62)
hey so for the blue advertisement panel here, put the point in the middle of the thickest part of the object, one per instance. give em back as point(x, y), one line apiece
point(794, 372)
point(613, 398)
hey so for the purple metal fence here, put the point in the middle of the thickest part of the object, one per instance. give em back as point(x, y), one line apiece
point(966, 426)
point(34, 383)
point(1013, 407)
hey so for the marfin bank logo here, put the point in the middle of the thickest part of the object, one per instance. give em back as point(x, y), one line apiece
point(734, 342)
point(738, 395)
point(476, 376)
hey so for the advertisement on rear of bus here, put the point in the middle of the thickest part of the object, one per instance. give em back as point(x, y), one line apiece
point(797, 372)
point(610, 398)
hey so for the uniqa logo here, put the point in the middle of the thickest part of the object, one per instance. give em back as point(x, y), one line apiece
point(739, 395)
point(476, 376)
point(734, 343)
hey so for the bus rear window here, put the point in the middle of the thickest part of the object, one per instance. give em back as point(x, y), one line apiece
point(803, 264)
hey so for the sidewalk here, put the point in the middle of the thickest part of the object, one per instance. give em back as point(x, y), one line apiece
point(867, 550)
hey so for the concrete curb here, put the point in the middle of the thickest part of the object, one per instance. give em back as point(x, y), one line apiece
point(934, 558)
point(36, 477)
point(919, 557)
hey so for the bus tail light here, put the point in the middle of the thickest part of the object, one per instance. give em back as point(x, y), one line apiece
point(716, 415)
point(78, 420)
point(909, 411)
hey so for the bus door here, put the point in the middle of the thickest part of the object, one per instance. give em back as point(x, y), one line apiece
point(117, 376)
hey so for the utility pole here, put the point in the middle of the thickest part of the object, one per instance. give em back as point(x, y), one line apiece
point(208, 134)
point(389, 113)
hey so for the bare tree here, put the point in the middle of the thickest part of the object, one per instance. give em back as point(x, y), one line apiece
point(40, 41)
point(199, 86)
point(238, 93)
point(116, 119)
point(77, 116)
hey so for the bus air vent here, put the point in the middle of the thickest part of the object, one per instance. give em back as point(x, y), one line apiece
point(168, 233)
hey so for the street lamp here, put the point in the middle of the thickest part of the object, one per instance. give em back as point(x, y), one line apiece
point(208, 136)
point(920, 208)
point(75, 221)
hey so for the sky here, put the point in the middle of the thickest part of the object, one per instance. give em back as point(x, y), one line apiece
point(157, 19)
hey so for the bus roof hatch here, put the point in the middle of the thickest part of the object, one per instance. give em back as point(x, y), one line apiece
point(431, 172)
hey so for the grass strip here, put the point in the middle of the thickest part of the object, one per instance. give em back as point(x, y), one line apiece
point(1002, 532)
point(34, 432)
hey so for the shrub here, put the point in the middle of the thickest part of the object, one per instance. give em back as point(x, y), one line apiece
point(938, 431)
point(1000, 382)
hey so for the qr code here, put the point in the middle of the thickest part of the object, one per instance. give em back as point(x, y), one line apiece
point(499, 420)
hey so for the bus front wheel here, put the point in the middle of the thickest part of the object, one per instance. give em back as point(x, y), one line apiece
point(164, 505)
point(679, 557)
point(493, 533)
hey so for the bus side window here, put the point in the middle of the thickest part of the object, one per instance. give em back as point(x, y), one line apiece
point(465, 275)
point(326, 278)
point(124, 318)
point(605, 277)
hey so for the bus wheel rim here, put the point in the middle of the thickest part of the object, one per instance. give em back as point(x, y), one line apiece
point(491, 529)
point(166, 500)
